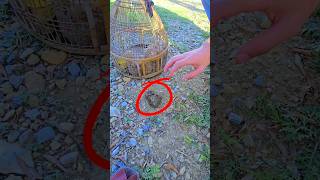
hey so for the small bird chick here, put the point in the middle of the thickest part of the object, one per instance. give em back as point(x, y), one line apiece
point(154, 100)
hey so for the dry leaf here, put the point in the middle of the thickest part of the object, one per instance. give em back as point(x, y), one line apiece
point(171, 167)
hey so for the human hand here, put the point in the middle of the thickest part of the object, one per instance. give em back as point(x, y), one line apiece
point(287, 17)
point(198, 58)
point(121, 175)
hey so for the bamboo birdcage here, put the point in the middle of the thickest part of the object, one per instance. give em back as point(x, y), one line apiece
point(139, 43)
point(75, 26)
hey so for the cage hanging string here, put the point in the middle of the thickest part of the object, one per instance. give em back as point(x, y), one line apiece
point(149, 5)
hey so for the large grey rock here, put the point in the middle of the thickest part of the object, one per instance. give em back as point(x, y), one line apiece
point(69, 158)
point(8, 161)
point(45, 134)
point(34, 82)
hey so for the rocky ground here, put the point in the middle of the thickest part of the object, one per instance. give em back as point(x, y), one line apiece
point(174, 144)
point(267, 111)
point(45, 95)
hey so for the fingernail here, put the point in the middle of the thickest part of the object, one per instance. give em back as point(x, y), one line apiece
point(242, 58)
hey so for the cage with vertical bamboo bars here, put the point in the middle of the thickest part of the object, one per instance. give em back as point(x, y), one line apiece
point(139, 43)
point(75, 26)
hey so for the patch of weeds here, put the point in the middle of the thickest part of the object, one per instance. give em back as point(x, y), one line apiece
point(180, 46)
point(128, 120)
point(312, 30)
point(265, 109)
point(309, 162)
point(203, 103)
point(152, 173)
point(228, 169)
point(226, 138)
point(205, 154)
point(188, 140)
point(299, 126)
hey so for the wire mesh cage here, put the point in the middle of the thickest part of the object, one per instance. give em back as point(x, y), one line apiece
point(75, 26)
point(139, 43)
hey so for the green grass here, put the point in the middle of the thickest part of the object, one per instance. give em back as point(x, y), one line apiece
point(151, 173)
point(203, 148)
point(298, 126)
point(199, 119)
point(205, 154)
point(188, 140)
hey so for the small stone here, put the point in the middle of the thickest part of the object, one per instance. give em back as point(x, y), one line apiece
point(235, 118)
point(68, 140)
point(44, 115)
point(126, 79)
point(123, 133)
point(61, 83)
point(182, 170)
point(53, 56)
point(55, 145)
point(33, 60)
point(32, 114)
point(34, 82)
point(250, 102)
point(74, 69)
point(33, 101)
point(188, 176)
point(45, 134)
point(6, 88)
point(40, 68)
point(17, 101)
point(140, 132)
point(132, 142)
point(115, 151)
point(114, 168)
point(214, 90)
point(25, 136)
point(15, 81)
point(146, 128)
point(93, 73)
point(80, 81)
point(124, 104)
point(8, 161)
point(9, 115)
point(26, 53)
point(69, 158)
point(114, 112)
point(66, 127)
point(146, 151)
point(259, 81)
point(174, 175)
point(13, 136)
point(150, 141)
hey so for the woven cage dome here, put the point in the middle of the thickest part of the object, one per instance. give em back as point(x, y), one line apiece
point(75, 26)
point(139, 43)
